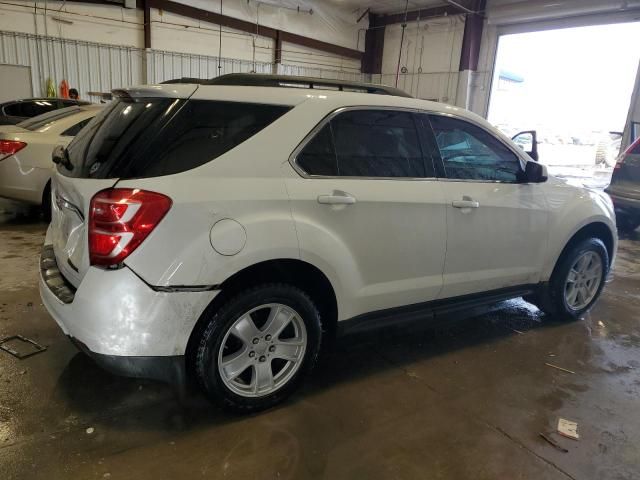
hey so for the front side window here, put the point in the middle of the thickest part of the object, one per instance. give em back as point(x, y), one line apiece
point(366, 143)
point(469, 152)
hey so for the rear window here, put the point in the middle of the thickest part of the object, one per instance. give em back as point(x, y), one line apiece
point(31, 108)
point(149, 137)
point(36, 123)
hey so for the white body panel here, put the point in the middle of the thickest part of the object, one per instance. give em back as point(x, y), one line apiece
point(116, 313)
point(501, 243)
point(24, 176)
point(400, 243)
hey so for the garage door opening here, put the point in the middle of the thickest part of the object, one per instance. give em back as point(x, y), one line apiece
point(573, 87)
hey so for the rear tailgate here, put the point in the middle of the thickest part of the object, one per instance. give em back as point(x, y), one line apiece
point(69, 216)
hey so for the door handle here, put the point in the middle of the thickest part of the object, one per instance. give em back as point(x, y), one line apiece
point(337, 199)
point(466, 202)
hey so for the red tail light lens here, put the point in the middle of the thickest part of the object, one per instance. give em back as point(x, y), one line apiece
point(10, 147)
point(119, 221)
point(634, 149)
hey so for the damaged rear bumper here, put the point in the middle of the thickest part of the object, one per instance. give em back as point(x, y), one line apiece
point(125, 325)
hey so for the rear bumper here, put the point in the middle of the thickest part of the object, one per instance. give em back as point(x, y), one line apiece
point(114, 315)
point(168, 369)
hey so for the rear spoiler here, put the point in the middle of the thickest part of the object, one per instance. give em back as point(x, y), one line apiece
point(162, 91)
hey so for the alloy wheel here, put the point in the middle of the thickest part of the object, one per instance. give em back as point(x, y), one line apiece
point(262, 350)
point(583, 280)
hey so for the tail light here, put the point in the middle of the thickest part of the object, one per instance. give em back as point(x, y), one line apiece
point(119, 221)
point(10, 147)
point(634, 149)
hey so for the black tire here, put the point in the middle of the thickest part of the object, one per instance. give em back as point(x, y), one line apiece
point(220, 321)
point(45, 209)
point(551, 298)
point(627, 224)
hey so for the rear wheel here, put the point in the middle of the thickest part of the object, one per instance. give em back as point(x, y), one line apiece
point(577, 281)
point(256, 349)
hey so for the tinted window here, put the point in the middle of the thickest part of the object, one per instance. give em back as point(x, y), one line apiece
point(471, 153)
point(40, 121)
point(380, 143)
point(15, 110)
point(75, 129)
point(319, 157)
point(157, 136)
point(32, 108)
point(366, 143)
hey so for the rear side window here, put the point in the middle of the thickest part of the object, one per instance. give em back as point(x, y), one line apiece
point(135, 138)
point(366, 143)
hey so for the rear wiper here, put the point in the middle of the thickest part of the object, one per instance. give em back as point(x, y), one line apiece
point(60, 156)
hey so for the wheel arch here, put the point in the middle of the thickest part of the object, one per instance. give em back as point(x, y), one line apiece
point(302, 274)
point(595, 229)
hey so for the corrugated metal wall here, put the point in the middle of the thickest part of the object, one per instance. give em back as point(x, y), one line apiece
point(163, 66)
point(94, 67)
point(86, 66)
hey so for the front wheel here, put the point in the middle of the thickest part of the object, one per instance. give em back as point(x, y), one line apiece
point(256, 349)
point(577, 281)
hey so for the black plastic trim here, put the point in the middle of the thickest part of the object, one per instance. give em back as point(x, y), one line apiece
point(463, 306)
point(176, 288)
point(52, 276)
point(170, 369)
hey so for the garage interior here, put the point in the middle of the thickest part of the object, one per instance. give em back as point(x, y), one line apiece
point(473, 398)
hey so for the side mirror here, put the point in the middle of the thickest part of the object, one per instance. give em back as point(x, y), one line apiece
point(528, 141)
point(535, 172)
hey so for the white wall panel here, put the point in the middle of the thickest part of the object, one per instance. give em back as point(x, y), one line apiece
point(431, 55)
point(93, 67)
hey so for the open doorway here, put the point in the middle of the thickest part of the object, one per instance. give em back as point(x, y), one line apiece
point(573, 87)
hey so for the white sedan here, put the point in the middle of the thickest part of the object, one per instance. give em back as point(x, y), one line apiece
point(25, 152)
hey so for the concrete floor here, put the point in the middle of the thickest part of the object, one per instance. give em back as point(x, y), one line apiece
point(463, 401)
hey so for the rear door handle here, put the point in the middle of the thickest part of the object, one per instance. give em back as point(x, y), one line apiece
point(337, 199)
point(466, 202)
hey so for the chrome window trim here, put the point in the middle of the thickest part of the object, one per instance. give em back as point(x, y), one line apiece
point(331, 115)
point(294, 155)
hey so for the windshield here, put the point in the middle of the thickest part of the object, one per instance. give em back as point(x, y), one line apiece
point(36, 123)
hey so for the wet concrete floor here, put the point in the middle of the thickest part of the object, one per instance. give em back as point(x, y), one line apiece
point(462, 401)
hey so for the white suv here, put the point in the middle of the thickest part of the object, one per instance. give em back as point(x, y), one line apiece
point(228, 228)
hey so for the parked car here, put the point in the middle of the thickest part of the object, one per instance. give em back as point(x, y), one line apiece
point(230, 229)
point(25, 152)
point(16, 111)
point(624, 189)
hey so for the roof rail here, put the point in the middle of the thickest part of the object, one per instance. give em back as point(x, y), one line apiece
point(260, 80)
